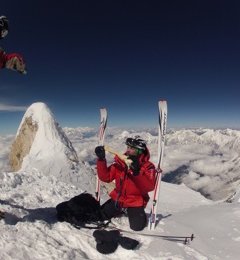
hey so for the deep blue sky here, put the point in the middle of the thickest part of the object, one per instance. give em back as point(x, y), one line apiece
point(125, 55)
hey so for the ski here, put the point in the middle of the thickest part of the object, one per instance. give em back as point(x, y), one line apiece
point(162, 126)
point(101, 135)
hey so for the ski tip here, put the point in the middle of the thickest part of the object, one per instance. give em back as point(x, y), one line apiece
point(103, 111)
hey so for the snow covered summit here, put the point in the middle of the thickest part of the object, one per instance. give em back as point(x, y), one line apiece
point(41, 143)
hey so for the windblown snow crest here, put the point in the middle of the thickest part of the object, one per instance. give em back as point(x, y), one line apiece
point(42, 144)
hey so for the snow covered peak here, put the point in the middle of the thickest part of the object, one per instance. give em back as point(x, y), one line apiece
point(50, 135)
point(40, 114)
point(42, 143)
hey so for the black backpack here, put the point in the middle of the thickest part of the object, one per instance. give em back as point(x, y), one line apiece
point(81, 210)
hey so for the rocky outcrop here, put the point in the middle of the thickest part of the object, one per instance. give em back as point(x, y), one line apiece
point(22, 143)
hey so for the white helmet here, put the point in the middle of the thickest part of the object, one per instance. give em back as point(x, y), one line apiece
point(136, 142)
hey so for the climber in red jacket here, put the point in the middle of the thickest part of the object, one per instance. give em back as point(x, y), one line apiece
point(132, 183)
point(13, 61)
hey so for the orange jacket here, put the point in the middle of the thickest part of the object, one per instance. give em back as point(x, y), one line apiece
point(130, 191)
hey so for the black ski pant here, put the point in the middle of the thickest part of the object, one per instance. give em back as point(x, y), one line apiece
point(136, 215)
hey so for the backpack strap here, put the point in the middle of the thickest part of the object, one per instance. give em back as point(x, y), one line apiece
point(96, 225)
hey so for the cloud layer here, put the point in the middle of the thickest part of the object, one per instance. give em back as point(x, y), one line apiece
point(12, 108)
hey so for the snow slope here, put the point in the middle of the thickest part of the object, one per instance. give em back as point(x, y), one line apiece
point(30, 229)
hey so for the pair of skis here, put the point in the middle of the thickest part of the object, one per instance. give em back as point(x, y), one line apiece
point(162, 106)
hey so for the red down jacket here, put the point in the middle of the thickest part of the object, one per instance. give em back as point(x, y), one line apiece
point(130, 191)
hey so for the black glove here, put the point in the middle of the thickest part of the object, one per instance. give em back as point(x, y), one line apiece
point(108, 241)
point(135, 166)
point(100, 152)
point(128, 243)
